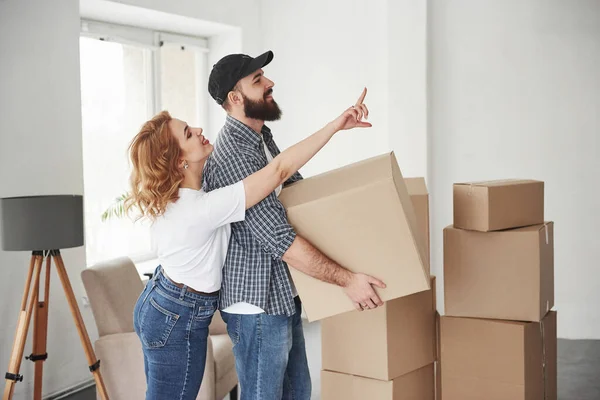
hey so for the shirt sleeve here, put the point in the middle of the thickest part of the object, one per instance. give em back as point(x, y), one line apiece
point(226, 205)
point(294, 178)
point(267, 220)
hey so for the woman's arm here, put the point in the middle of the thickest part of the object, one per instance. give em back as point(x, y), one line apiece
point(260, 184)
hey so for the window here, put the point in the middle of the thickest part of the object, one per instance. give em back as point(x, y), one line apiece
point(128, 75)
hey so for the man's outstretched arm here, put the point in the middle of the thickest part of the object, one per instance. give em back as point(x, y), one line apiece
point(268, 224)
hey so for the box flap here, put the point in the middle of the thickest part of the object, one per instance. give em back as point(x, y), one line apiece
point(499, 182)
point(531, 228)
point(418, 384)
point(416, 186)
point(335, 385)
point(341, 180)
point(492, 320)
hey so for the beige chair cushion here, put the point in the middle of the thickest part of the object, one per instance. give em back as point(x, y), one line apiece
point(113, 288)
point(225, 384)
point(122, 366)
point(226, 375)
point(217, 326)
point(223, 354)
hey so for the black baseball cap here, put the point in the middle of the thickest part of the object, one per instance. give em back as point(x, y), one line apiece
point(230, 69)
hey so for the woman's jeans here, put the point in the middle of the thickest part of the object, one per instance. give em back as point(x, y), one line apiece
point(172, 324)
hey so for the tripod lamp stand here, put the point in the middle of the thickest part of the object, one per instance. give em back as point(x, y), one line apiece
point(43, 225)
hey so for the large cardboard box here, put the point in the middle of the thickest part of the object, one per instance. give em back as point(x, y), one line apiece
point(417, 385)
point(417, 189)
point(498, 360)
point(496, 205)
point(504, 275)
point(390, 341)
point(362, 217)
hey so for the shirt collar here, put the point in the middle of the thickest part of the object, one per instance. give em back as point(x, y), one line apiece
point(247, 133)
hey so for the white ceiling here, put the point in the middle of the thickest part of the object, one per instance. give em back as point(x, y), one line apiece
point(118, 13)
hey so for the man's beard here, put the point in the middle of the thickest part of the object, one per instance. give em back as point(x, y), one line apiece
point(261, 109)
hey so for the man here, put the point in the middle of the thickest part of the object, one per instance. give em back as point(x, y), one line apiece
point(259, 302)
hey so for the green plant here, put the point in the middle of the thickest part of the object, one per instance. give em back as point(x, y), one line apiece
point(116, 209)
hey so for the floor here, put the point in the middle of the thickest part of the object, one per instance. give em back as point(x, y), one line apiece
point(578, 368)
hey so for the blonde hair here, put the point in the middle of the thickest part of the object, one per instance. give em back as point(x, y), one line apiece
point(155, 178)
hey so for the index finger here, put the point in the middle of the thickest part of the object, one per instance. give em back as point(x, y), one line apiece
point(362, 97)
point(377, 282)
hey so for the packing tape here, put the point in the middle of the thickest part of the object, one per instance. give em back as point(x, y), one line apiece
point(546, 229)
point(470, 192)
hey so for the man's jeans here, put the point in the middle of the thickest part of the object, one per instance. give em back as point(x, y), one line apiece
point(270, 355)
point(172, 325)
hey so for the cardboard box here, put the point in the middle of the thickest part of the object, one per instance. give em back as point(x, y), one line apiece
point(504, 275)
point(362, 217)
point(417, 189)
point(438, 359)
point(498, 360)
point(390, 341)
point(438, 380)
point(417, 385)
point(495, 205)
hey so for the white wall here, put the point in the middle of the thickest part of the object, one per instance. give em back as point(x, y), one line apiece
point(407, 84)
point(325, 53)
point(41, 148)
point(40, 153)
point(515, 92)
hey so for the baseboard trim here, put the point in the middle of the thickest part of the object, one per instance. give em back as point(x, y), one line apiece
point(62, 394)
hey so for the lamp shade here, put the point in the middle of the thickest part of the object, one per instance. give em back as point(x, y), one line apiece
point(34, 223)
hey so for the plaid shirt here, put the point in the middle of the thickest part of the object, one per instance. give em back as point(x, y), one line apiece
point(253, 272)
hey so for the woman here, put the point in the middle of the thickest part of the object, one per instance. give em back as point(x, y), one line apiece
point(190, 232)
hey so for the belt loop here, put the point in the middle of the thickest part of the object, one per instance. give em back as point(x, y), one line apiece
point(157, 272)
point(182, 292)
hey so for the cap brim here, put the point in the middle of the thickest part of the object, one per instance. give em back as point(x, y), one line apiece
point(259, 62)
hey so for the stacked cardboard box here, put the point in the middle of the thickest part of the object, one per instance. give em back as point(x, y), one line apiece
point(370, 219)
point(498, 335)
point(389, 352)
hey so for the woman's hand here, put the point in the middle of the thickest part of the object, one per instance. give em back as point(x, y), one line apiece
point(352, 117)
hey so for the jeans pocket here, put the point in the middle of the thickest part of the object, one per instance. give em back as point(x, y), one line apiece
point(156, 324)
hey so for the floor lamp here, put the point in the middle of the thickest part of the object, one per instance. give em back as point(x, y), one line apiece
point(43, 225)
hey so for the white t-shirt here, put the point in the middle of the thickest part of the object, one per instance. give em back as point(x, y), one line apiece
point(192, 236)
point(247, 308)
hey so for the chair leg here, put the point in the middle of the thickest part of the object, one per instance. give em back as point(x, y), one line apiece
point(233, 395)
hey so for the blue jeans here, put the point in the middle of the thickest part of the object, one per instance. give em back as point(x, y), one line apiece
point(172, 324)
point(270, 355)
